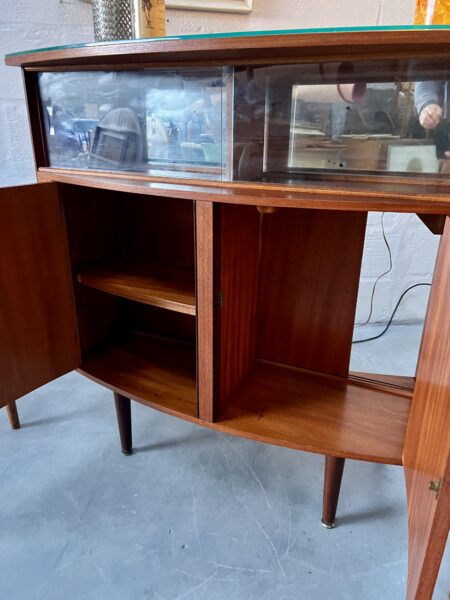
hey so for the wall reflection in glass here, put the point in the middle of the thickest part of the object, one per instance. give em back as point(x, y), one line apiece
point(340, 117)
point(252, 123)
point(148, 121)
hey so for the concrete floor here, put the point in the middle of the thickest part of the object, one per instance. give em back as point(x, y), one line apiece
point(193, 514)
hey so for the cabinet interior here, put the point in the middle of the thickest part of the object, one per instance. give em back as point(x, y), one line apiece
point(132, 261)
point(287, 281)
point(289, 285)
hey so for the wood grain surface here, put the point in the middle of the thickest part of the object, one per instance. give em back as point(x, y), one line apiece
point(38, 332)
point(426, 456)
point(156, 371)
point(334, 469)
point(276, 404)
point(430, 199)
point(206, 345)
point(317, 413)
point(259, 47)
point(309, 278)
point(239, 264)
point(166, 286)
point(320, 178)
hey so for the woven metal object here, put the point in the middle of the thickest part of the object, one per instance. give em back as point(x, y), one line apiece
point(112, 20)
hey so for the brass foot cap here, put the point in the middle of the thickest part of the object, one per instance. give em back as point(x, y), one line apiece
point(127, 452)
point(328, 525)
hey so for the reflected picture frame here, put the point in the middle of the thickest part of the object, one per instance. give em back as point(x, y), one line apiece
point(236, 6)
point(412, 158)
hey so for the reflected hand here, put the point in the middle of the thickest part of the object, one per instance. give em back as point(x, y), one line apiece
point(431, 116)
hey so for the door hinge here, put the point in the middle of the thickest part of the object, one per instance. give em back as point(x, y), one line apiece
point(435, 486)
point(221, 299)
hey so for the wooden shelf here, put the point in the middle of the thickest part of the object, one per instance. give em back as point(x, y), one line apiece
point(275, 404)
point(318, 413)
point(165, 286)
point(155, 371)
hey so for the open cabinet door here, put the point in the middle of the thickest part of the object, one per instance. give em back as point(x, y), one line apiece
point(426, 456)
point(38, 333)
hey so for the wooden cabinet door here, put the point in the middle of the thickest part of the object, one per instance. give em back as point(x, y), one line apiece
point(38, 333)
point(426, 456)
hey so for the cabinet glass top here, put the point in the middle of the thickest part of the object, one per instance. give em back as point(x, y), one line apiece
point(237, 34)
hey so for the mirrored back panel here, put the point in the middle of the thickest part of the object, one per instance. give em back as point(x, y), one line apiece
point(277, 123)
point(374, 117)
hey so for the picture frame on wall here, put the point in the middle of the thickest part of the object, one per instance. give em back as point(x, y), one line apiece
point(238, 6)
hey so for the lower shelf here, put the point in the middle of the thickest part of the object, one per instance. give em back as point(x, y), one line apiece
point(156, 371)
point(275, 404)
point(318, 413)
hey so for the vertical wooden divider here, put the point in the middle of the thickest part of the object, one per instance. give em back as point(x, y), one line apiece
point(204, 251)
point(310, 268)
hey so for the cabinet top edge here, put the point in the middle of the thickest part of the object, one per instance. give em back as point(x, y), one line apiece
point(351, 197)
point(232, 45)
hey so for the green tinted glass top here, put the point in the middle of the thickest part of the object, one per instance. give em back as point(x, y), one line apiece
point(249, 34)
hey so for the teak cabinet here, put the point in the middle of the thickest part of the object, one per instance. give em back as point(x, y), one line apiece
point(203, 258)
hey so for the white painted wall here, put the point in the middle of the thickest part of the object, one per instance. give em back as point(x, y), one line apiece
point(289, 14)
point(26, 24)
point(413, 256)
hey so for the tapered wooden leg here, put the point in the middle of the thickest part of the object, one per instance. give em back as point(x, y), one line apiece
point(334, 468)
point(123, 410)
point(11, 410)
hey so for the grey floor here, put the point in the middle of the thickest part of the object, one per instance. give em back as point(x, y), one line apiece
point(193, 514)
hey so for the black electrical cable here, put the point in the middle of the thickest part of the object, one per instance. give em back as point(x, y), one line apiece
point(375, 337)
point(380, 277)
